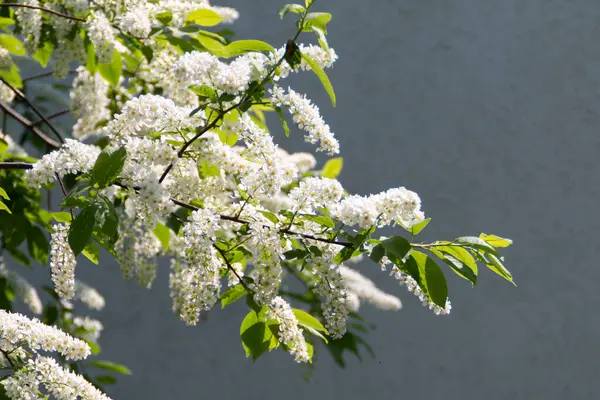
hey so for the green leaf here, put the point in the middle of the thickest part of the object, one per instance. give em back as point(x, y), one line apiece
point(13, 76)
point(12, 44)
point(270, 216)
point(108, 166)
point(107, 221)
point(246, 46)
point(110, 366)
point(91, 63)
point(459, 259)
point(81, 229)
point(396, 248)
point(50, 314)
point(94, 347)
point(288, 8)
point(112, 72)
point(322, 77)
point(3, 194)
point(496, 265)
point(62, 216)
point(377, 253)
point(478, 243)
point(204, 91)
point(106, 379)
point(432, 279)
point(256, 336)
point(232, 295)
point(4, 22)
point(310, 323)
point(204, 17)
point(495, 241)
point(332, 168)
point(42, 54)
point(3, 146)
point(19, 256)
point(92, 253)
point(37, 244)
point(320, 219)
point(165, 17)
point(207, 170)
point(286, 128)
point(4, 207)
point(419, 226)
point(163, 234)
point(316, 19)
point(308, 3)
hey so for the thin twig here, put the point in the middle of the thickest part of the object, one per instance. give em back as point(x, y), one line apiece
point(16, 165)
point(44, 75)
point(28, 124)
point(66, 16)
point(222, 253)
point(34, 109)
point(51, 116)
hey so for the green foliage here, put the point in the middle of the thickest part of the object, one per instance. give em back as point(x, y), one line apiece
point(333, 168)
point(322, 77)
point(232, 295)
point(82, 228)
point(110, 366)
point(112, 71)
point(204, 17)
point(108, 166)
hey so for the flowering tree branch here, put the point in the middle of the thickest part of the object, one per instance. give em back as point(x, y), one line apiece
point(29, 125)
point(46, 10)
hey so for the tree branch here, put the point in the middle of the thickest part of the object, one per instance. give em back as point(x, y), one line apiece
point(15, 165)
point(44, 10)
point(28, 124)
point(34, 109)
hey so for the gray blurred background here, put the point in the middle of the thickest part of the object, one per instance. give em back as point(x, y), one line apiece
point(490, 112)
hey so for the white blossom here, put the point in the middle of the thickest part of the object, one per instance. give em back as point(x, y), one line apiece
point(360, 287)
point(18, 329)
point(62, 262)
point(102, 36)
point(89, 102)
point(46, 372)
point(30, 20)
point(289, 332)
point(308, 118)
point(89, 296)
point(71, 158)
point(5, 60)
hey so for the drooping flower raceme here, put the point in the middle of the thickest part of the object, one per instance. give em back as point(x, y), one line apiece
point(47, 373)
point(62, 263)
point(16, 329)
point(289, 332)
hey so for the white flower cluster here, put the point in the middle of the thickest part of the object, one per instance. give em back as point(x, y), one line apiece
point(92, 327)
point(22, 288)
point(195, 283)
point(323, 58)
point(361, 288)
point(395, 205)
point(62, 263)
point(314, 192)
point(266, 248)
point(7, 95)
point(289, 333)
point(102, 36)
point(413, 287)
point(89, 102)
point(148, 114)
point(17, 329)
point(137, 249)
point(89, 296)
point(30, 21)
point(136, 22)
point(46, 372)
point(331, 287)
point(71, 158)
point(308, 118)
point(201, 68)
point(5, 60)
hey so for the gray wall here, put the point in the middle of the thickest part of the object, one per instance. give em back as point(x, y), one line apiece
point(488, 110)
